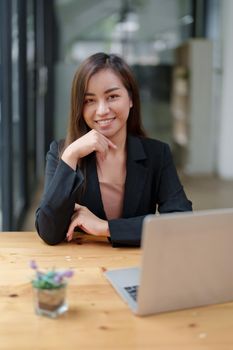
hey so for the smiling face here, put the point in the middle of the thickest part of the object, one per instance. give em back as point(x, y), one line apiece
point(107, 105)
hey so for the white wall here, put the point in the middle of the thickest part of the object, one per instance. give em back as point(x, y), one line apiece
point(225, 156)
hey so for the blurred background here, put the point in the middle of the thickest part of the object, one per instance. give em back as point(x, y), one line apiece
point(181, 52)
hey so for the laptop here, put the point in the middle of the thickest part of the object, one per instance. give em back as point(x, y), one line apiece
point(187, 261)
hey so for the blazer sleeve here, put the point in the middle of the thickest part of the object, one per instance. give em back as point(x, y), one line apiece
point(126, 232)
point(58, 200)
point(171, 195)
point(170, 198)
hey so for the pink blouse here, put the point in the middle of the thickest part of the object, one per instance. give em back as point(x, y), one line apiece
point(112, 185)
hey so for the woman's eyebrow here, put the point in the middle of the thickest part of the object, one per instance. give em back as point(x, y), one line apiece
point(112, 89)
point(89, 94)
point(106, 91)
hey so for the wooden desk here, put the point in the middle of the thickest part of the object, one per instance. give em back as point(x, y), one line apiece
point(97, 318)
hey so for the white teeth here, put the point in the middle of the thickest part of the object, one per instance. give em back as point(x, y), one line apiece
point(104, 122)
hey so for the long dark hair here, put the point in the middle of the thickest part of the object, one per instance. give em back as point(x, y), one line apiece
point(77, 126)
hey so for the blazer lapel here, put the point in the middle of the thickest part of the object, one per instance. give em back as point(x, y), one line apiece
point(93, 194)
point(136, 175)
point(134, 185)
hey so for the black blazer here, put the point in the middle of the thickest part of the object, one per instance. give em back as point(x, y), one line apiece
point(151, 184)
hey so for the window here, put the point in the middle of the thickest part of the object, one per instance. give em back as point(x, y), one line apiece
point(25, 129)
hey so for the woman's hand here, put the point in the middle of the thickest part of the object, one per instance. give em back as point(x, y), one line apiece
point(93, 141)
point(88, 222)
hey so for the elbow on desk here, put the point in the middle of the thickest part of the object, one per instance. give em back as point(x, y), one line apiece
point(47, 230)
point(48, 237)
point(48, 240)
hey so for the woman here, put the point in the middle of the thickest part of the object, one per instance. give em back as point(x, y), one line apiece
point(106, 176)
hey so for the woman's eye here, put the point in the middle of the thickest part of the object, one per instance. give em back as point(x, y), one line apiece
point(88, 101)
point(112, 97)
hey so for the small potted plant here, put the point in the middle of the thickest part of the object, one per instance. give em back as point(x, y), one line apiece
point(50, 290)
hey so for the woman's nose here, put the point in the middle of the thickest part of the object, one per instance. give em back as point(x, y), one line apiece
point(102, 108)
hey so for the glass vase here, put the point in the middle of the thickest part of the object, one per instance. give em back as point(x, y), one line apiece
point(50, 302)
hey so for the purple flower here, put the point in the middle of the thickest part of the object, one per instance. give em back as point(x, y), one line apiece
point(68, 273)
point(58, 278)
point(51, 279)
point(33, 265)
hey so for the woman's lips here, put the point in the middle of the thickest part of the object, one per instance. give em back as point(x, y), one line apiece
point(104, 122)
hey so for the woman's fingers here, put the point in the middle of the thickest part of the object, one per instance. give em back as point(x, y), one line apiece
point(103, 146)
point(75, 221)
point(111, 144)
point(88, 222)
point(93, 141)
point(73, 224)
point(77, 206)
point(101, 143)
point(69, 236)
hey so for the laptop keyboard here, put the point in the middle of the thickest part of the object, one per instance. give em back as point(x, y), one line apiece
point(132, 290)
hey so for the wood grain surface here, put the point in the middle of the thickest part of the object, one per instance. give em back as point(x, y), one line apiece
point(97, 317)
